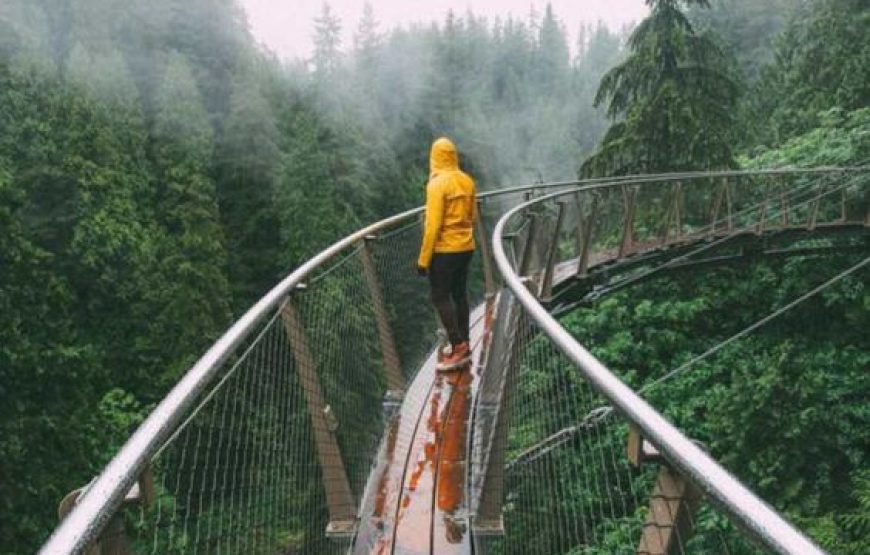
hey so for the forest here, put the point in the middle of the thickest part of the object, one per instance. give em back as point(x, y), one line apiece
point(160, 171)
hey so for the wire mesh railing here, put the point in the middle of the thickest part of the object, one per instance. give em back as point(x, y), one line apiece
point(267, 444)
point(560, 471)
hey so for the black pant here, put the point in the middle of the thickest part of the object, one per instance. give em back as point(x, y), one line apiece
point(448, 274)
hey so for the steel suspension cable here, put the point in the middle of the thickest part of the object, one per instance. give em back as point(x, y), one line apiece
point(759, 323)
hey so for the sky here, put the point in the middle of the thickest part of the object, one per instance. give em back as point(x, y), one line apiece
point(286, 26)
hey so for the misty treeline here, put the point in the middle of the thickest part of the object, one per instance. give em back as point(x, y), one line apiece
point(159, 171)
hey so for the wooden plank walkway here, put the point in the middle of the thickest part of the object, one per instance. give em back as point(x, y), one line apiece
point(416, 502)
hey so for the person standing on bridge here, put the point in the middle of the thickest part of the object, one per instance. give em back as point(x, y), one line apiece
point(448, 245)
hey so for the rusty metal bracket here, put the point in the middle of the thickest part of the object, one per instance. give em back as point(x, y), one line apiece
point(483, 239)
point(629, 195)
point(584, 231)
point(113, 540)
point(671, 516)
point(392, 366)
point(672, 506)
point(547, 287)
point(339, 498)
point(529, 245)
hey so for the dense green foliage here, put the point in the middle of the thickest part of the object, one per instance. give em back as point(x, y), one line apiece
point(159, 172)
point(784, 408)
point(822, 61)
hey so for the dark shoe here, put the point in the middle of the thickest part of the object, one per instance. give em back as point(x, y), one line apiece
point(460, 356)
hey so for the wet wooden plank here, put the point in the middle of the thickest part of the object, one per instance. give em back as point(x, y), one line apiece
point(450, 526)
point(404, 493)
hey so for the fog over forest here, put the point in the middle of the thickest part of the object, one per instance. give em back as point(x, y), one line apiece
point(159, 172)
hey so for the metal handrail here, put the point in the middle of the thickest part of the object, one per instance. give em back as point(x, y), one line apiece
point(105, 494)
point(748, 511)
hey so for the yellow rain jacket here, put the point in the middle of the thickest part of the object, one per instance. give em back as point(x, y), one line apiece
point(450, 205)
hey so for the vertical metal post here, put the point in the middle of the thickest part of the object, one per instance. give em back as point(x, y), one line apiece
point(529, 246)
point(678, 209)
point(843, 214)
point(578, 231)
point(672, 505)
point(762, 216)
point(513, 247)
point(717, 206)
point(763, 209)
point(488, 519)
point(665, 230)
point(392, 367)
point(783, 201)
point(814, 211)
point(339, 498)
point(586, 237)
point(730, 226)
point(483, 239)
point(547, 287)
point(628, 199)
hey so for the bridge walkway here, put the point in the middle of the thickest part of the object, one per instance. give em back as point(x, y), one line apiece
point(417, 500)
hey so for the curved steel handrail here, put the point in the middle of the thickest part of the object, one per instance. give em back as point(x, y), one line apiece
point(761, 521)
point(106, 492)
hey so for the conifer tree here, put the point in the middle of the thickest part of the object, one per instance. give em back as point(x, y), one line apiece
point(327, 41)
point(672, 100)
point(193, 258)
point(247, 168)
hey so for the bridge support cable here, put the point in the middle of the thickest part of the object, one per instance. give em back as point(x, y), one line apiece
point(754, 326)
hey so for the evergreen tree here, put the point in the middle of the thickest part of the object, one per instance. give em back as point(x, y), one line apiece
point(314, 196)
point(746, 28)
point(327, 42)
point(192, 254)
point(552, 53)
point(247, 168)
point(102, 76)
point(672, 100)
point(822, 61)
point(367, 39)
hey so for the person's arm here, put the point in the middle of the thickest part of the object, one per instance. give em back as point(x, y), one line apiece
point(432, 228)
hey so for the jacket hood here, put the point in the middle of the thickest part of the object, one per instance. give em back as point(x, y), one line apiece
point(443, 157)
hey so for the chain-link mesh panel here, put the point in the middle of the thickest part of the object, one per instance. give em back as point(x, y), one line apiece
point(242, 476)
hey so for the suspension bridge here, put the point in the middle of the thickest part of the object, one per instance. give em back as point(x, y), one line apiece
point(317, 424)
